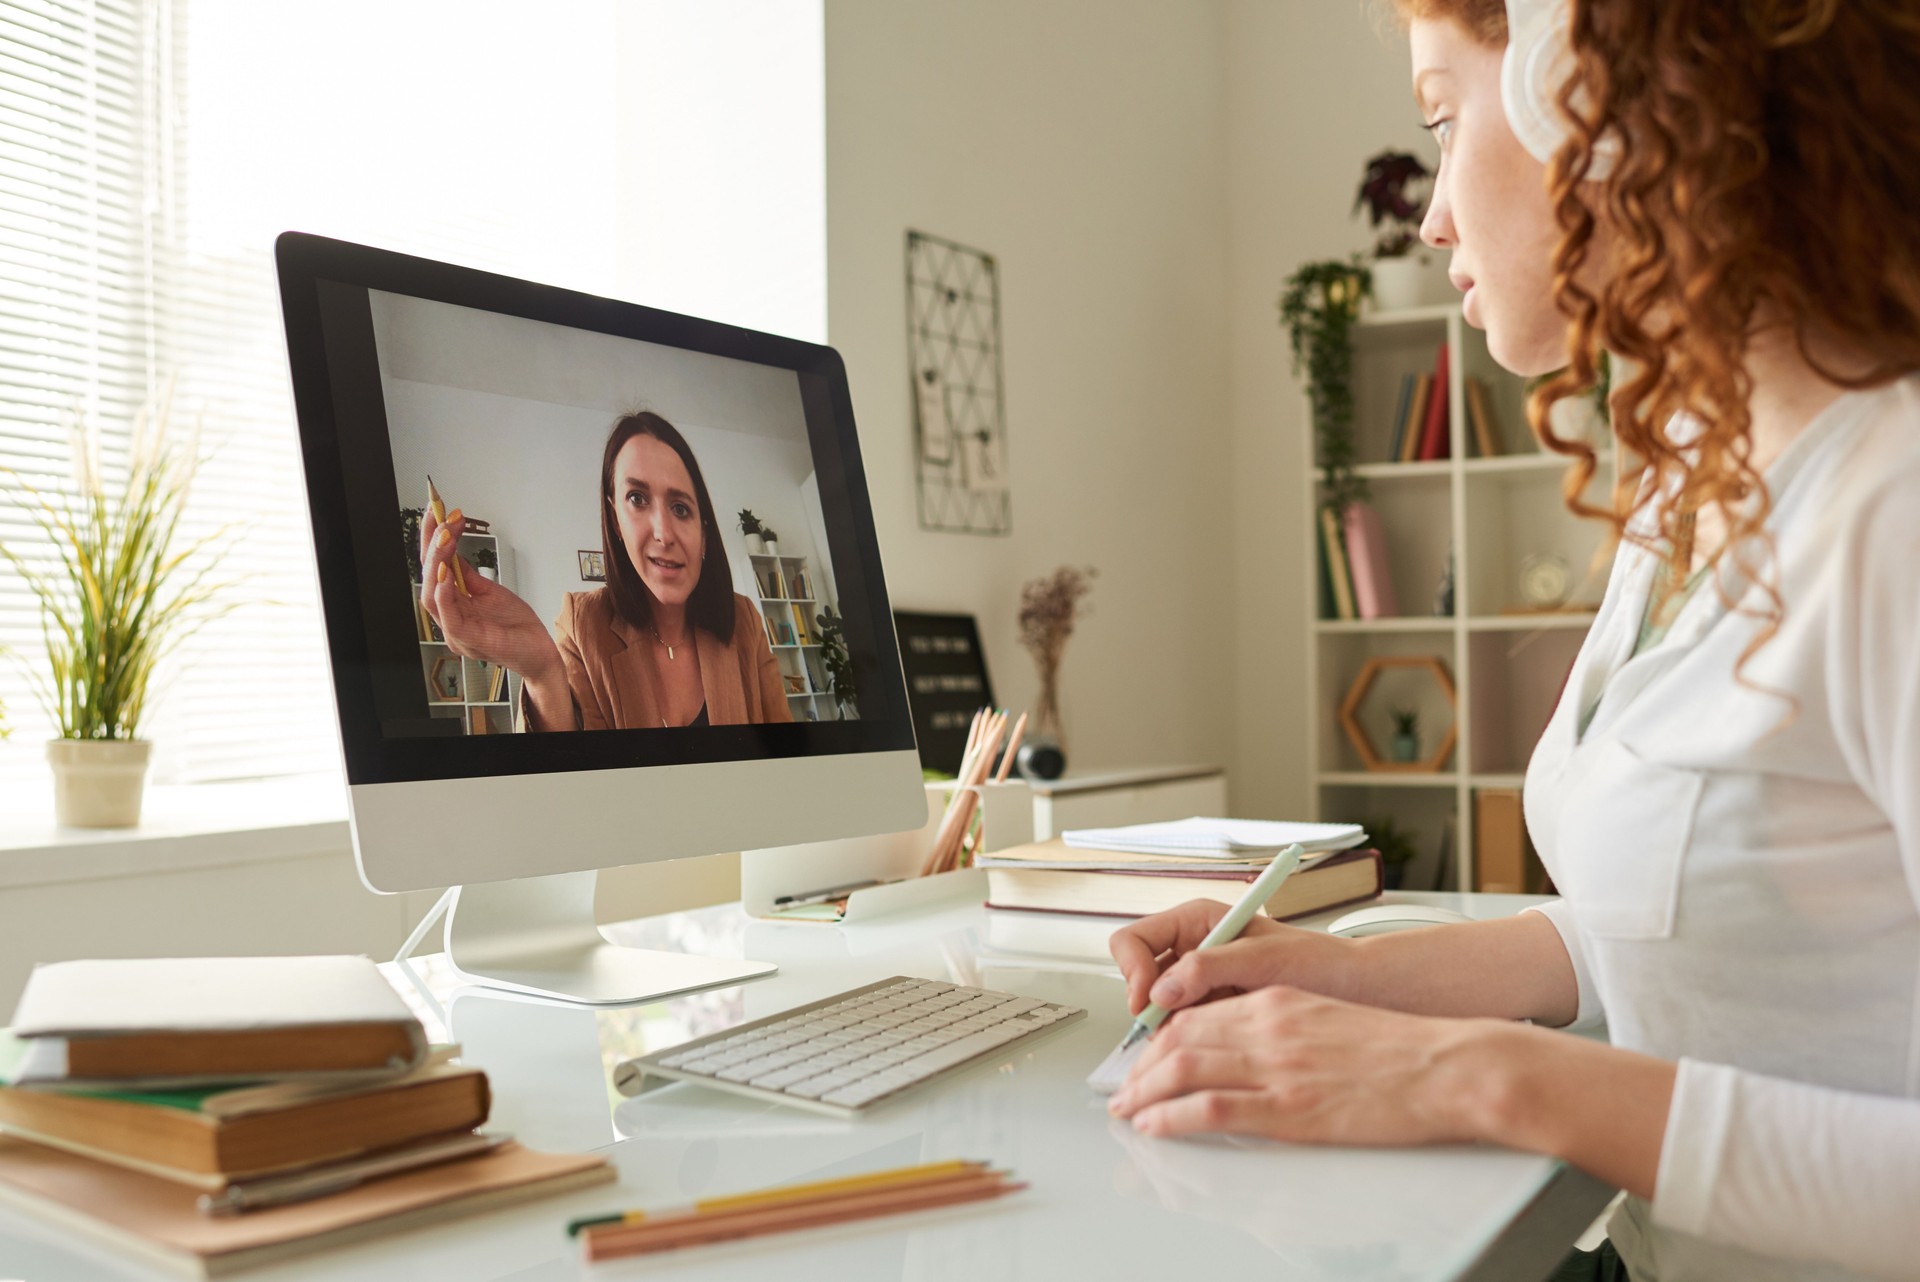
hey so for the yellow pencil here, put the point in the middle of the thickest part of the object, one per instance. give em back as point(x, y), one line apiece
point(440, 517)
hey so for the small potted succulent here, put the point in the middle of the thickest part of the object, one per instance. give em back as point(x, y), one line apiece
point(1406, 735)
point(1394, 194)
point(755, 532)
point(487, 561)
point(771, 539)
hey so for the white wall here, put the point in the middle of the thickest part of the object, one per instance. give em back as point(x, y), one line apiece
point(1313, 90)
point(1083, 144)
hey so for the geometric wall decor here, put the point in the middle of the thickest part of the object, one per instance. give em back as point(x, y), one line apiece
point(1357, 733)
point(959, 407)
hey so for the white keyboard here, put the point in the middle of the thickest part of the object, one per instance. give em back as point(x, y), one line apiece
point(859, 1048)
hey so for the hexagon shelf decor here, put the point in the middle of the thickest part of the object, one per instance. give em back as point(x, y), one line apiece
point(1357, 694)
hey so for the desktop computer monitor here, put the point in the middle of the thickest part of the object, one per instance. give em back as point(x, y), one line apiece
point(574, 656)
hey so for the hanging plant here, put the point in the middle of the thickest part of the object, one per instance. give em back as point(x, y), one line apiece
point(1318, 309)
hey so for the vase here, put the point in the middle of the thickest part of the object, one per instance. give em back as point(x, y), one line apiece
point(1406, 747)
point(98, 783)
point(756, 546)
point(1040, 757)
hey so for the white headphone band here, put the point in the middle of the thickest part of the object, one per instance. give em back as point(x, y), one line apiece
point(1538, 62)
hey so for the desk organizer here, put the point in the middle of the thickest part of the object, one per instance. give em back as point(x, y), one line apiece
point(1006, 811)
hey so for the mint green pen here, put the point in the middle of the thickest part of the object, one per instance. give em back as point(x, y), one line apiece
point(1225, 931)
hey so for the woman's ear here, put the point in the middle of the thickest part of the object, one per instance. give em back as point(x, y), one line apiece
point(1536, 66)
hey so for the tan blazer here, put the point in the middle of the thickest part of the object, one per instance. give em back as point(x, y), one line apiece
point(611, 668)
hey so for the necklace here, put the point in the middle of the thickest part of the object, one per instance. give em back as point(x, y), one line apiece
point(661, 643)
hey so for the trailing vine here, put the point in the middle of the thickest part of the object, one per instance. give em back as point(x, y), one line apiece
point(1318, 309)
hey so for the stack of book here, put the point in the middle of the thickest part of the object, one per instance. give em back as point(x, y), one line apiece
point(211, 1114)
point(1149, 868)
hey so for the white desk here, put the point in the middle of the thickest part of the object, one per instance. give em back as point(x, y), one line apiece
point(1105, 1204)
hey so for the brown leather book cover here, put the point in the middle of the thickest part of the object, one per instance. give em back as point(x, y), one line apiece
point(158, 1220)
point(189, 1143)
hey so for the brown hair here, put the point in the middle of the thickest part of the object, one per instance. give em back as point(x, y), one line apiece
point(711, 605)
point(1766, 175)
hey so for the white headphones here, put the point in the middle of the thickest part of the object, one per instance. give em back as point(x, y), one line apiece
point(1538, 61)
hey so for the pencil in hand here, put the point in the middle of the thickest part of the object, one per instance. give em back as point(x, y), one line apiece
point(439, 510)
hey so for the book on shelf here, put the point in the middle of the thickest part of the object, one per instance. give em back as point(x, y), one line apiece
point(1346, 877)
point(190, 1021)
point(800, 629)
point(1486, 432)
point(1337, 565)
point(1329, 608)
point(1416, 417)
point(476, 721)
point(1503, 858)
point(423, 622)
point(496, 683)
point(211, 1137)
point(158, 1221)
point(1434, 437)
point(1398, 424)
point(1366, 539)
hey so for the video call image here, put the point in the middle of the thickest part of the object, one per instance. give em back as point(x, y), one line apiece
point(604, 533)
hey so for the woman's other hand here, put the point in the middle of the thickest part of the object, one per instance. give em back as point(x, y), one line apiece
point(484, 621)
point(1159, 958)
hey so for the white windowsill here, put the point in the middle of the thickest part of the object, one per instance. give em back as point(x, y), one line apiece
point(182, 827)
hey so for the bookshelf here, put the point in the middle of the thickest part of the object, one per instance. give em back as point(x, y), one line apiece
point(479, 696)
point(789, 601)
point(1495, 517)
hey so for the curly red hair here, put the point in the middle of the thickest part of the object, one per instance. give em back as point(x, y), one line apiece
point(1767, 180)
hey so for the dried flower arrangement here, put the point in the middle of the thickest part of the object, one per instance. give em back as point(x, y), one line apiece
point(1049, 607)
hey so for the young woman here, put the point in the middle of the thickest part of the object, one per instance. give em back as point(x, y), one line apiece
point(1728, 795)
point(667, 641)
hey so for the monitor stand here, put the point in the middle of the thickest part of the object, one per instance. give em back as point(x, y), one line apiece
point(538, 936)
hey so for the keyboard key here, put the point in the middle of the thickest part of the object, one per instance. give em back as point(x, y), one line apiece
point(956, 1052)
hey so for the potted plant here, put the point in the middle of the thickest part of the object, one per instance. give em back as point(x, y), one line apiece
point(838, 661)
point(1318, 308)
point(122, 600)
point(1406, 734)
point(771, 539)
point(1392, 194)
point(487, 562)
point(1049, 608)
point(1395, 846)
point(751, 527)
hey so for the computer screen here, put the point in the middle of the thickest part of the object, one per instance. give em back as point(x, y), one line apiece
point(560, 536)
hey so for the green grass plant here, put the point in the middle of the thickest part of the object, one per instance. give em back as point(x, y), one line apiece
point(122, 597)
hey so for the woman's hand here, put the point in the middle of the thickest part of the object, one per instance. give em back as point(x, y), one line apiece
point(1158, 958)
point(486, 621)
point(1298, 1066)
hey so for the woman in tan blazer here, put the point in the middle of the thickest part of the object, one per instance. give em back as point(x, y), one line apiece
point(666, 642)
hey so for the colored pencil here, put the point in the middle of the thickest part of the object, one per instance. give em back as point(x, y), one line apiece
point(614, 1241)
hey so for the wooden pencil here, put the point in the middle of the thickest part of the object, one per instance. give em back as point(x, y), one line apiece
point(606, 1242)
point(1013, 746)
point(947, 835)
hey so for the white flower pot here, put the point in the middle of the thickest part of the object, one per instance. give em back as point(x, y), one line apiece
point(773, 548)
point(756, 546)
point(488, 573)
point(1417, 279)
point(98, 783)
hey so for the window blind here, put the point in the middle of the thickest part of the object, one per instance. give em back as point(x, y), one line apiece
point(150, 150)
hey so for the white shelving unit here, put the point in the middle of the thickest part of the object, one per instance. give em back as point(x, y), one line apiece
point(471, 681)
point(1492, 514)
point(788, 595)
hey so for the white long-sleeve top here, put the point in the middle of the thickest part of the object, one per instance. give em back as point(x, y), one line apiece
point(1739, 862)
